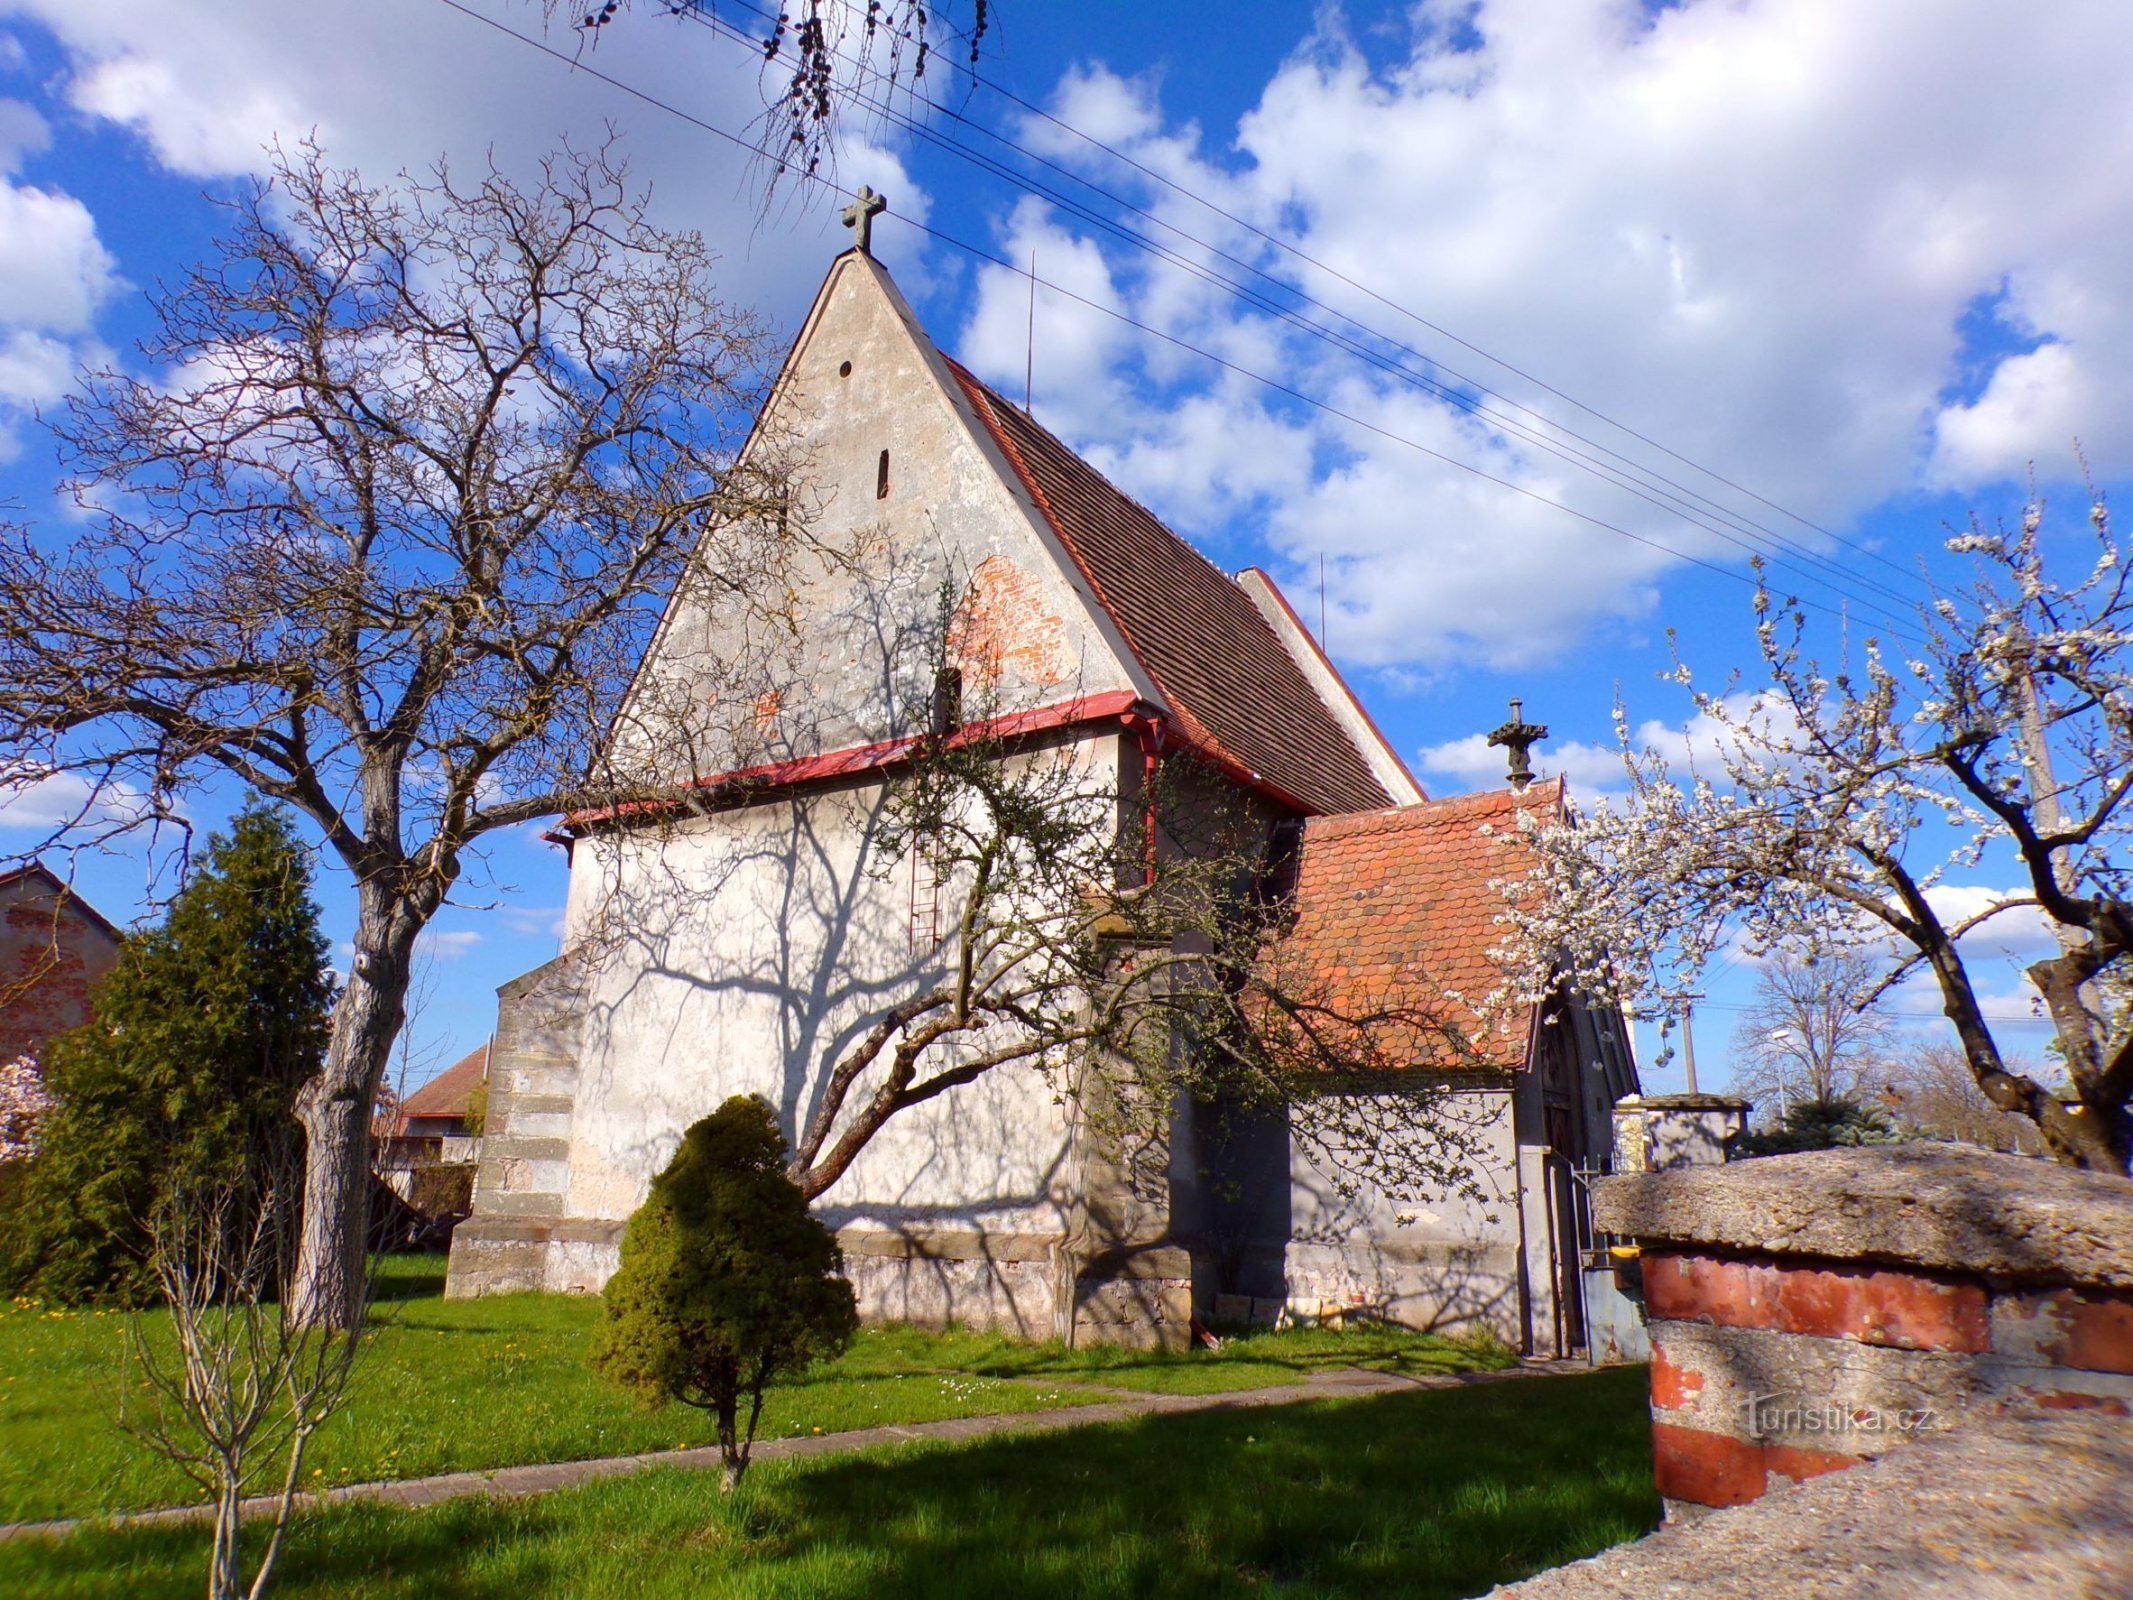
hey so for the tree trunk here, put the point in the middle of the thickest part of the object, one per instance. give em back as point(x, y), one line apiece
point(335, 1109)
point(225, 1578)
point(730, 1462)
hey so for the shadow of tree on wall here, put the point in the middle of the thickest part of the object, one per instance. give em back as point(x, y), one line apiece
point(1439, 1494)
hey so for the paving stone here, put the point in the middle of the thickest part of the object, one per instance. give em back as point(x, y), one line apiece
point(2039, 1508)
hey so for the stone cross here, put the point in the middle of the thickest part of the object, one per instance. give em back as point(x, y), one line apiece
point(1519, 736)
point(859, 217)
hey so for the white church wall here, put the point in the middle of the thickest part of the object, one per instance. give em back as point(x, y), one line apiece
point(851, 661)
point(1440, 1261)
point(743, 953)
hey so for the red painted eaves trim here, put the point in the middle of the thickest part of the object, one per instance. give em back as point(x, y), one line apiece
point(885, 753)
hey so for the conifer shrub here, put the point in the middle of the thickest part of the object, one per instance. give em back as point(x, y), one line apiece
point(1836, 1123)
point(186, 1078)
point(726, 1284)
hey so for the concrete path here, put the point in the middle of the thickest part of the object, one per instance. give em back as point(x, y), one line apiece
point(547, 1476)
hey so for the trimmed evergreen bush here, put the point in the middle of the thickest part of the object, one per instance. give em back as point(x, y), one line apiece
point(726, 1282)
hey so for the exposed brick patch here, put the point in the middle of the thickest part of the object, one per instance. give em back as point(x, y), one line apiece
point(1706, 1469)
point(1901, 1310)
point(1005, 624)
point(1673, 1387)
point(1797, 1465)
point(2087, 1328)
point(2070, 1400)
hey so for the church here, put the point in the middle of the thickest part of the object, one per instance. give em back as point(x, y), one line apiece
point(743, 948)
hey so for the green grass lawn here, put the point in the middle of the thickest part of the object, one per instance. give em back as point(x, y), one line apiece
point(1435, 1493)
point(452, 1385)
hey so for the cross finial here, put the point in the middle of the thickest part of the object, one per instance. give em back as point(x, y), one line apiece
point(1519, 737)
point(859, 217)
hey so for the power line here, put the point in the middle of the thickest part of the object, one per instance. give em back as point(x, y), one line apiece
point(1311, 261)
point(1272, 384)
point(1623, 472)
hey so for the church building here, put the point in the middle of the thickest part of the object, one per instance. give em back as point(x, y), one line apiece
point(742, 948)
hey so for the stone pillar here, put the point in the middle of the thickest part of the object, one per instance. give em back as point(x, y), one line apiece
point(518, 1221)
point(1123, 1279)
point(1811, 1311)
point(1657, 1133)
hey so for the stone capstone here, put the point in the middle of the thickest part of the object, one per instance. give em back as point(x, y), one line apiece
point(1943, 1207)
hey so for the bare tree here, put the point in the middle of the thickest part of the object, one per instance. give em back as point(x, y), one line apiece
point(1126, 946)
point(1931, 1091)
point(1847, 796)
point(237, 1383)
point(1813, 1028)
point(822, 60)
point(382, 537)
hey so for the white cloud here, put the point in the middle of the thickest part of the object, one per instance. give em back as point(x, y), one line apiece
point(44, 805)
point(1752, 230)
point(55, 275)
point(207, 83)
point(1698, 745)
point(447, 944)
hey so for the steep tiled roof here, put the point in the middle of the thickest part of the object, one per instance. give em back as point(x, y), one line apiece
point(446, 1094)
point(1394, 914)
point(1235, 689)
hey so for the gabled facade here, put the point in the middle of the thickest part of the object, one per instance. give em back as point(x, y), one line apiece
point(55, 948)
point(736, 950)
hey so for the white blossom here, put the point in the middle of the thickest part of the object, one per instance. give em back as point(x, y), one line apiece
point(1832, 807)
point(23, 1107)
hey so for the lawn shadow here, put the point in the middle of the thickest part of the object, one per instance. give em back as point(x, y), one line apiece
point(1444, 1493)
point(1439, 1493)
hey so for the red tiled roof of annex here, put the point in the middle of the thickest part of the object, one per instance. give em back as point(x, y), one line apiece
point(446, 1094)
point(1394, 913)
point(1233, 685)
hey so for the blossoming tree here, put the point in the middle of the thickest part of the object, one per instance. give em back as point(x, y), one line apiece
point(1840, 801)
point(23, 1105)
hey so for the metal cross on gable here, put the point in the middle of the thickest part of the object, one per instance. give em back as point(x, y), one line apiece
point(859, 216)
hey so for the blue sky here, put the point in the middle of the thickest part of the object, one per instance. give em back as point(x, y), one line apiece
point(1865, 262)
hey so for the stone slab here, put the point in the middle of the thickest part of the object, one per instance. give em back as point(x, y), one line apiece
point(1941, 1207)
point(2039, 1508)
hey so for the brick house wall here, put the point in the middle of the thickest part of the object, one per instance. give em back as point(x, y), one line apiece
point(54, 950)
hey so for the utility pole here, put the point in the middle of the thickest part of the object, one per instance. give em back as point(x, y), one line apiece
point(1688, 1036)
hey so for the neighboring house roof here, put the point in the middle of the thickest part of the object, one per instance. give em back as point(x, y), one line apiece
point(446, 1094)
point(1234, 687)
point(1394, 903)
point(63, 892)
point(55, 948)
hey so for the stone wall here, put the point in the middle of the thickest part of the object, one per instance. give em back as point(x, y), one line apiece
point(518, 1236)
point(1810, 1312)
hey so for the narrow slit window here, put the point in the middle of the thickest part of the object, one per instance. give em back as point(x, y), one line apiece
point(947, 701)
point(881, 477)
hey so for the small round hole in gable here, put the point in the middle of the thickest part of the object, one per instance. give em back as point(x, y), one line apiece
point(844, 370)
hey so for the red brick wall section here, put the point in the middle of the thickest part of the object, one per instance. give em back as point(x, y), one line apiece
point(49, 965)
point(1724, 1328)
point(1903, 1310)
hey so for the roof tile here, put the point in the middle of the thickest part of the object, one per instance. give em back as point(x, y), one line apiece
point(1197, 633)
point(1393, 912)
